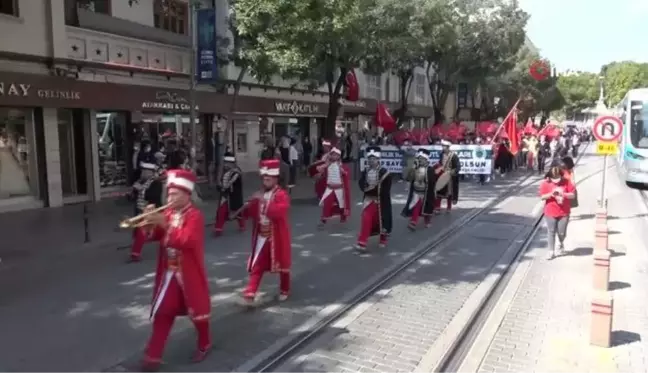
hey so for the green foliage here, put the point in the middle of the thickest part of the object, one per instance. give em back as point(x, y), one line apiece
point(476, 40)
point(580, 90)
point(620, 77)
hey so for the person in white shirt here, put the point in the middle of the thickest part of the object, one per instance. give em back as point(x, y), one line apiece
point(294, 162)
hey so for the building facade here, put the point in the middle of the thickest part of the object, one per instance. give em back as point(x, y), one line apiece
point(83, 84)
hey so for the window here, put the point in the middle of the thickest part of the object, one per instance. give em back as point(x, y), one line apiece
point(373, 86)
point(98, 6)
point(113, 151)
point(9, 7)
point(419, 92)
point(171, 16)
point(241, 142)
point(18, 175)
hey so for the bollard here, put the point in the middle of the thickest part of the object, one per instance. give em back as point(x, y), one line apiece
point(601, 216)
point(601, 237)
point(601, 319)
point(601, 275)
point(86, 225)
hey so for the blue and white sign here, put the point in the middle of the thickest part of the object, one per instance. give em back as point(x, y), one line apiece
point(474, 159)
point(206, 53)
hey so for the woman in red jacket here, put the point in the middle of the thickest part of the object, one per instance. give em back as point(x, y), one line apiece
point(557, 192)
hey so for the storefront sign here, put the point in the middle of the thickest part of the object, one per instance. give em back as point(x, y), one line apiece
point(474, 159)
point(206, 58)
point(296, 108)
point(170, 101)
point(358, 104)
point(25, 90)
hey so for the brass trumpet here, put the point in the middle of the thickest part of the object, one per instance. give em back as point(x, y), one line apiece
point(140, 220)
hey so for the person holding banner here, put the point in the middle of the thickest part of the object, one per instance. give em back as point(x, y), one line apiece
point(375, 183)
point(449, 163)
point(337, 197)
point(421, 198)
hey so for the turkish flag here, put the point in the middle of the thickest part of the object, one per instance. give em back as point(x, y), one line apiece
point(510, 128)
point(384, 119)
point(352, 87)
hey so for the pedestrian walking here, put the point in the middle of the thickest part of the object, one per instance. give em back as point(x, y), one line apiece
point(181, 284)
point(556, 191)
point(271, 241)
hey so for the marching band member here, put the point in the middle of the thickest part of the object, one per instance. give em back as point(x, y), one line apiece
point(337, 197)
point(375, 183)
point(231, 196)
point(421, 198)
point(147, 191)
point(313, 169)
point(181, 285)
point(271, 241)
point(449, 162)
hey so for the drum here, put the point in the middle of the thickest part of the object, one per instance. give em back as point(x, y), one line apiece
point(442, 181)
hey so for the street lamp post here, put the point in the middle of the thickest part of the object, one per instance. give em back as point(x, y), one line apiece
point(193, 6)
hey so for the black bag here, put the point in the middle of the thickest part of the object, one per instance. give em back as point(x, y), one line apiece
point(574, 202)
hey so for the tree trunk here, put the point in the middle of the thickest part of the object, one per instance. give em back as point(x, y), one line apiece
point(335, 91)
point(406, 79)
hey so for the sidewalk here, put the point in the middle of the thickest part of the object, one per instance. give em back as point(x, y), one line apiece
point(98, 307)
point(542, 321)
point(51, 232)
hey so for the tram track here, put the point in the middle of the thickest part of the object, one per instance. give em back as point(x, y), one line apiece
point(452, 350)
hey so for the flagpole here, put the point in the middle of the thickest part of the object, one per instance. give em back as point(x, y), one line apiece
point(504, 121)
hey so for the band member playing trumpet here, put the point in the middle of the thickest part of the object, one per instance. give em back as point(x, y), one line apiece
point(336, 200)
point(231, 196)
point(146, 191)
point(449, 163)
point(313, 169)
point(271, 241)
point(421, 198)
point(375, 183)
point(181, 285)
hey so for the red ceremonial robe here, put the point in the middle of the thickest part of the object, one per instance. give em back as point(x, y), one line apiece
point(280, 240)
point(346, 188)
point(320, 182)
point(182, 251)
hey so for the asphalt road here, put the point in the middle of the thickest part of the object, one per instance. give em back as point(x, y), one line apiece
point(94, 315)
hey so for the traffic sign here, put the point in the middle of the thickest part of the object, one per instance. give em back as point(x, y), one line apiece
point(607, 147)
point(607, 128)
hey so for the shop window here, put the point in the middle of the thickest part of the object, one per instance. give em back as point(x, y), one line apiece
point(113, 151)
point(373, 86)
point(17, 164)
point(171, 16)
point(98, 6)
point(9, 7)
point(241, 142)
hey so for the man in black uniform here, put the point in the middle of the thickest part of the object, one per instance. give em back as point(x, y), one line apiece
point(231, 195)
point(422, 196)
point(375, 184)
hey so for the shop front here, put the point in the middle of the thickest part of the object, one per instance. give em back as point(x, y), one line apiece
point(68, 141)
point(356, 116)
point(259, 121)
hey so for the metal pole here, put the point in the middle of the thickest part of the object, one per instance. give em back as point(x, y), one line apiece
point(603, 199)
point(192, 83)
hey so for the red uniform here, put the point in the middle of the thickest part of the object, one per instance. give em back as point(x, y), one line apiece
point(337, 196)
point(271, 241)
point(181, 285)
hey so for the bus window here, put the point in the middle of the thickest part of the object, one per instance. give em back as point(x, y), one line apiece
point(638, 129)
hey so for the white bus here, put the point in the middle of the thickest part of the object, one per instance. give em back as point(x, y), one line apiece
point(633, 148)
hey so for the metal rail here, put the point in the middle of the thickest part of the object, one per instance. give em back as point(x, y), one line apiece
point(303, 338)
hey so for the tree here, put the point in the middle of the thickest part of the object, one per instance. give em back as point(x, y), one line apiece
point(404, 30)
point(620, 77)
point(315, 42)
point(580, 90)
point(476, 39)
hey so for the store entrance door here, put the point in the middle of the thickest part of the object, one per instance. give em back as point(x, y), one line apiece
point(72, 153)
